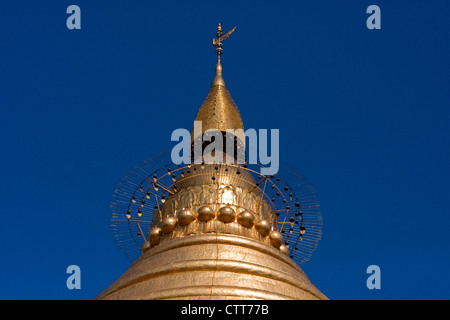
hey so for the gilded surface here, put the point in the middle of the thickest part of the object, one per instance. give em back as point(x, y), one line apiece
point(230, 192)
point(213, 258)
point(213, 266)
point(215, 237)
point(219, 110)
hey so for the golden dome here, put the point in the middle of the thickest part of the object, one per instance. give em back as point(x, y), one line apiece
point(213, 266)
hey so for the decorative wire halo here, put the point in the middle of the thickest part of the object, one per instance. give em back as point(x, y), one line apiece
point(140, 193)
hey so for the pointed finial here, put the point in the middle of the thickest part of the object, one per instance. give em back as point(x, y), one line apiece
point(217, 42)
point(218, 79)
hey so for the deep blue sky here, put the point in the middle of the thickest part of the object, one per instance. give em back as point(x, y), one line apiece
point(363, 115)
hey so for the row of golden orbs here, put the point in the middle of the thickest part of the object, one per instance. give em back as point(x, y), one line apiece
point(225, 214)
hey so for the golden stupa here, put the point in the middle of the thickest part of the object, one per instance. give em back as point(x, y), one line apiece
point(208, 243)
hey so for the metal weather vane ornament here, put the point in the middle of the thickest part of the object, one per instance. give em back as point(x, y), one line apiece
point(217, 42)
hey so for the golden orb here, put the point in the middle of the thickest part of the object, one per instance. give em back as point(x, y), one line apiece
point(276, 238)
point(205, 213)
point(145, 247)
point(168, 223)
point(226, 214)
point(246, 218)
point(284, 249)
point(154, 235)
point(185, 217)
point(263, 227)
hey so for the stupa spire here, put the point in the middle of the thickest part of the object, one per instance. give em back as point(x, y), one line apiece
point(215, 230)
point(219, 111)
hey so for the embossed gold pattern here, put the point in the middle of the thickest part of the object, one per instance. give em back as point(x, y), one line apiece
point(219, 110)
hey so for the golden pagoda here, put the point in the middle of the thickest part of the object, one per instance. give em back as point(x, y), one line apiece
point(215, 236)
